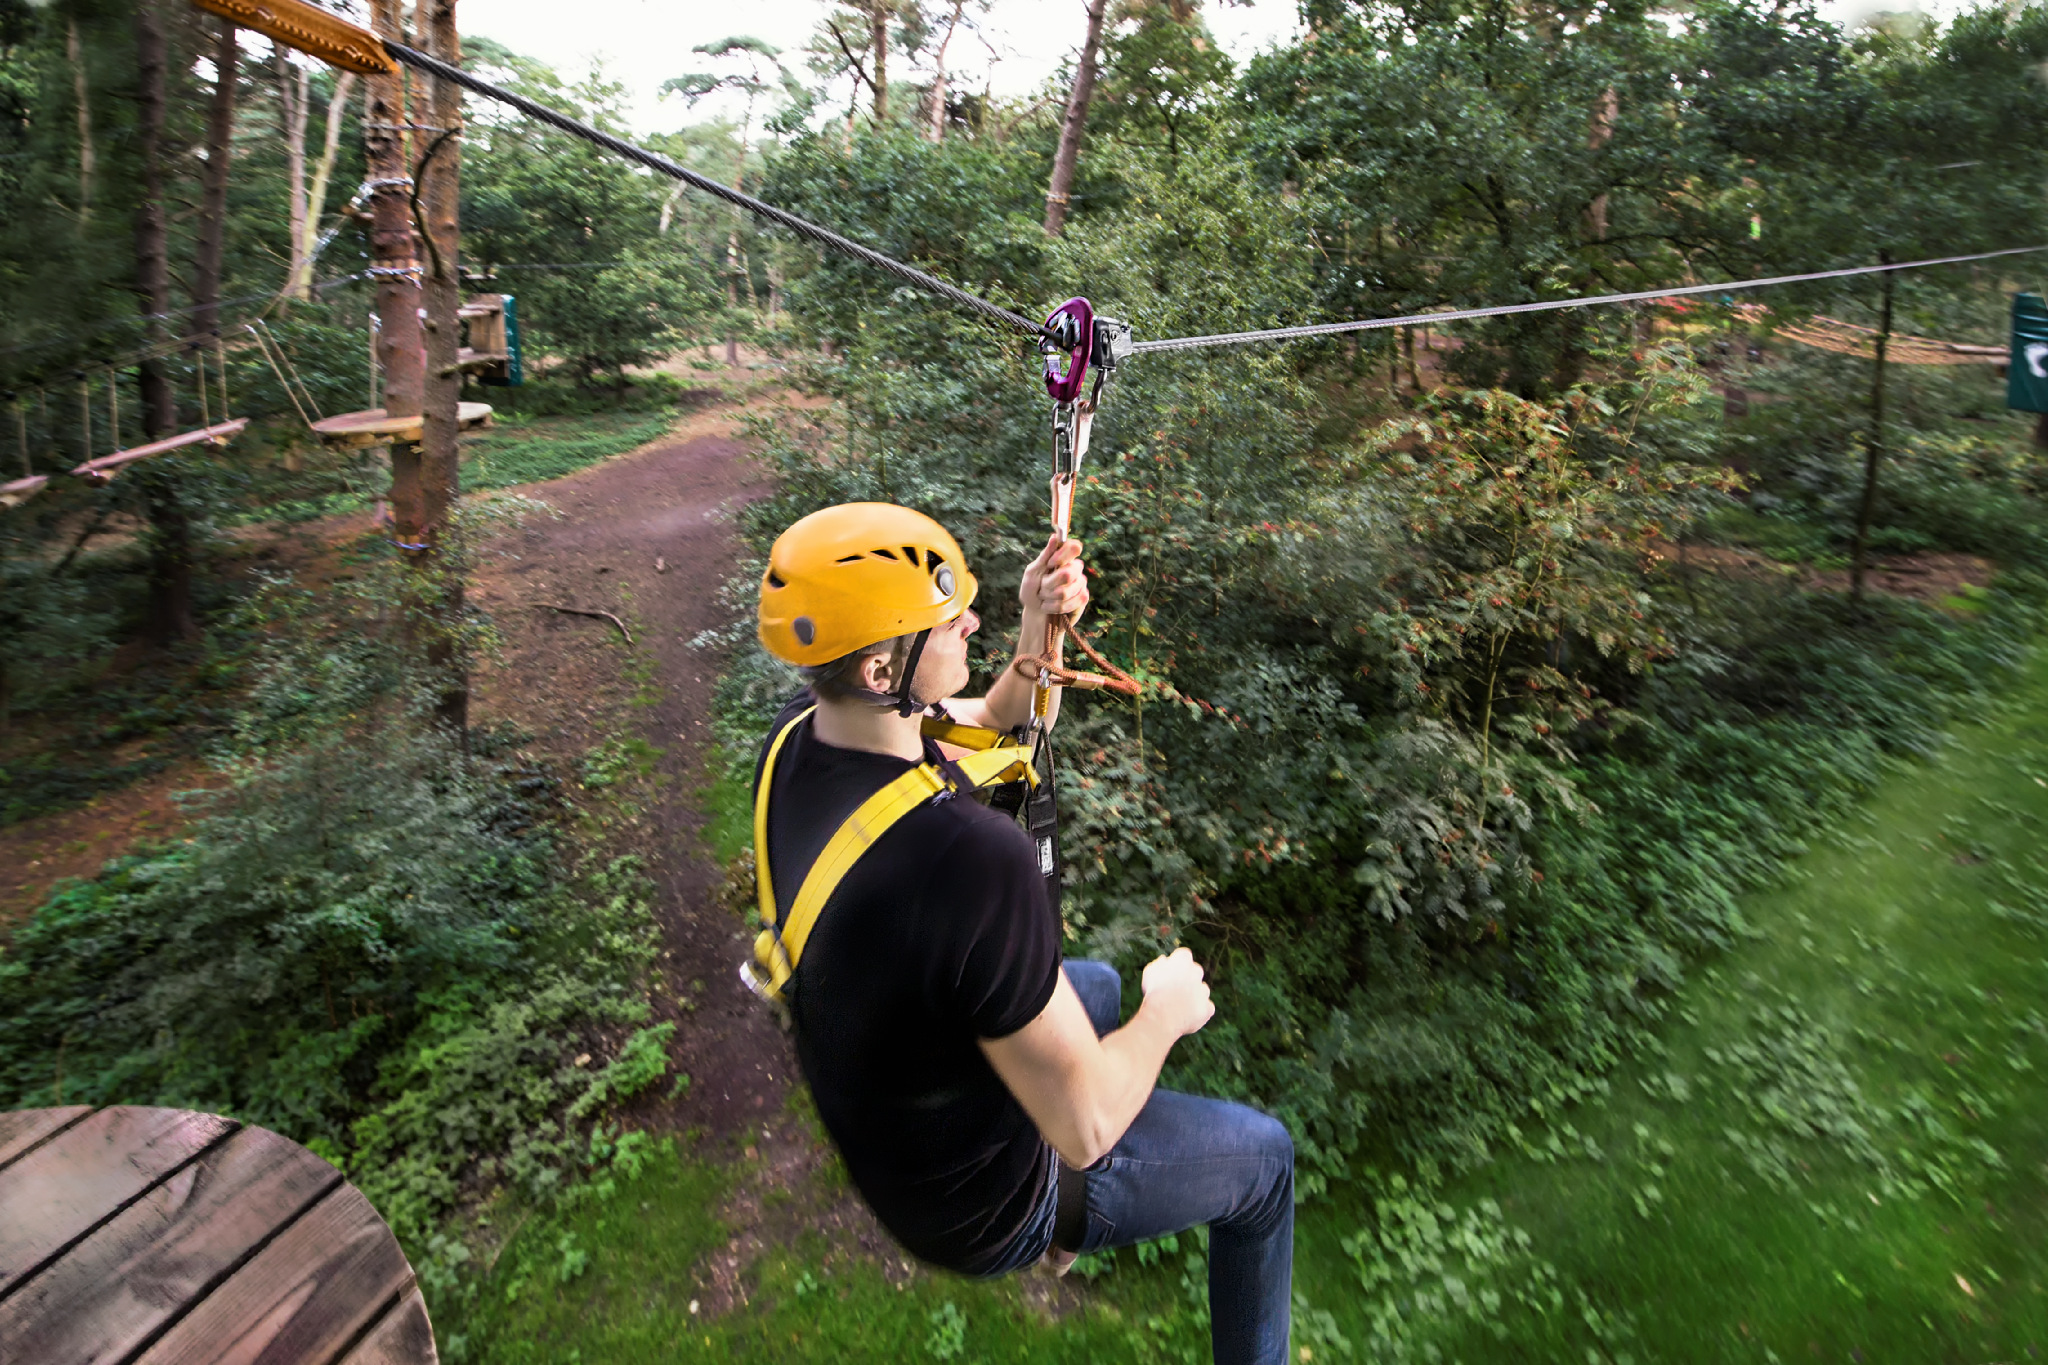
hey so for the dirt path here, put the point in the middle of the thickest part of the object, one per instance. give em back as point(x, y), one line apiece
point(667, 504)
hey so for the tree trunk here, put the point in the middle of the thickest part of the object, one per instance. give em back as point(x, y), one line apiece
point(1873, 453)
point(170, 527)
point(213, 194)
point(292, 92)
point(81, 88)
point(323, 173)
point(938, 119)
point(1069, 156)
point(394, 251)
point(440, 461)
point(878, 41)
point(1605, 112)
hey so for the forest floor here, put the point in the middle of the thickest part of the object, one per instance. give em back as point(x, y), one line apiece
point(1831, 1146)
point(1873, 1040)
point(1829, 1151)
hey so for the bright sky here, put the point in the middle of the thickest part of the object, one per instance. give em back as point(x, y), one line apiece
point(645, 42)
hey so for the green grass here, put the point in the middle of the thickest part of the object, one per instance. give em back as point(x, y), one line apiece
point(1832, 1131)
point(531, 449)
point(1831, 1149)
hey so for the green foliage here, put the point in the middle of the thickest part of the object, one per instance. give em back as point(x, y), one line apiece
point(599, 288)
point(1821, 1140)
point(518, 452)
point(948, 1337)
point(1484, 781)
point(367, 941)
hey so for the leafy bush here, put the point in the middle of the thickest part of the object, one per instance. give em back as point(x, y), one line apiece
point(369, 942)
point(1472, 781)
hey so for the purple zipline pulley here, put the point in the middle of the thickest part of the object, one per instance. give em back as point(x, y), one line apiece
point(1072, 324)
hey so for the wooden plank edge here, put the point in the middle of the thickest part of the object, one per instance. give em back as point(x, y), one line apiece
point(364, 1349)
point(7, 1289)
point(85, 1111)
point(228, 1272)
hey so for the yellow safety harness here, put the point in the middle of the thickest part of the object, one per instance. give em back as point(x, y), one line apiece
point(780, 945)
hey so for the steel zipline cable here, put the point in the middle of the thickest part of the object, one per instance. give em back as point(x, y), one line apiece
point(1552, 305)
point(996, 312)
point(655, 161)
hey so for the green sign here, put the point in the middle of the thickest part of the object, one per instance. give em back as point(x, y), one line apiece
point(2026, 384)
point(515, 373)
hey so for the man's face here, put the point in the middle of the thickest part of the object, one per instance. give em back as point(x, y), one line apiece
point(942, 671)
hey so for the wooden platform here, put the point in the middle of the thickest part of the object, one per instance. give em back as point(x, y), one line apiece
point(21, 490)
point(371, 427)
point(106, 466)
point(152, 1236)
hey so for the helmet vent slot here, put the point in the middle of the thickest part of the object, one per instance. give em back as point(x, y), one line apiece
point(775, 580)
point(910, 553)
point(883, 551)
point(849, 559)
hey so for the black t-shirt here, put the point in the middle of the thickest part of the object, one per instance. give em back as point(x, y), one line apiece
point(939, 934)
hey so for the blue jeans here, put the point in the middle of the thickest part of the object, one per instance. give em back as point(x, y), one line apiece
point(1187, 1160)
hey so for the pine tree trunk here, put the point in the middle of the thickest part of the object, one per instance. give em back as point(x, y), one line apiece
point(213, 194)
point(292, 94)
point(440, 459)
point(938, 119)
point(1069, 155)
point(323, 174)
point(393, 248)
point(81, 89)
point(878, 44)
point(170, 528)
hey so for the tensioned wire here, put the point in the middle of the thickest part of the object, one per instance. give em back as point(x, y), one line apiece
point(655, 161)
point(953, 293)
point(1553, 305)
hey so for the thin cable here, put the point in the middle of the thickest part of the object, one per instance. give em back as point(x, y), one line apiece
point(654, 161)
point(278, 370)
point(1553, 305)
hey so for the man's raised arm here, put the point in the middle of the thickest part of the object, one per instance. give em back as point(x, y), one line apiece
point(1083, 1091)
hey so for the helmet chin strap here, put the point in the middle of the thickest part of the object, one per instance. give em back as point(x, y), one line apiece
point(900, 701)
point(904, 705)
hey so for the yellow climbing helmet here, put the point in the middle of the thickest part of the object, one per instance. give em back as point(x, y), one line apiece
point(856, 574)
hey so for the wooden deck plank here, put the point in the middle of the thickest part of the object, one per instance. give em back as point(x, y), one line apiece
point(371, 427)
point(61, 1189)
point(21, 1129)
point(301, 1299)
point(110, 1293)
point(19, 491)
point(404, 1337)
point(218, 434)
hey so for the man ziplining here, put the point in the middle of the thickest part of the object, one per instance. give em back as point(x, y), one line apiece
point(987, 1104)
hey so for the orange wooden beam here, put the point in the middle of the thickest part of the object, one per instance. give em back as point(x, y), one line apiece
point(311, 30)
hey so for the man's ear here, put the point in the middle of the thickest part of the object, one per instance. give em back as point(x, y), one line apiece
point(874, 674)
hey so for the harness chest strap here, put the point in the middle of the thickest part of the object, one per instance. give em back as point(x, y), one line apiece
point(778, 949)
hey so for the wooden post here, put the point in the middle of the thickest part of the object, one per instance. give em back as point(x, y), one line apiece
point(394, 257)
point(440, 457)
point(394, 252)
point(1873, 453)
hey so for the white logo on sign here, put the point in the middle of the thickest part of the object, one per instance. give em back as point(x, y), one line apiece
point(2036, 352)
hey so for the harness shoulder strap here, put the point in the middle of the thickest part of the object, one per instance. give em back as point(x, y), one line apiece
point(778, 949)
point(946, 730)
point(780, 946)
point(763, 883)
